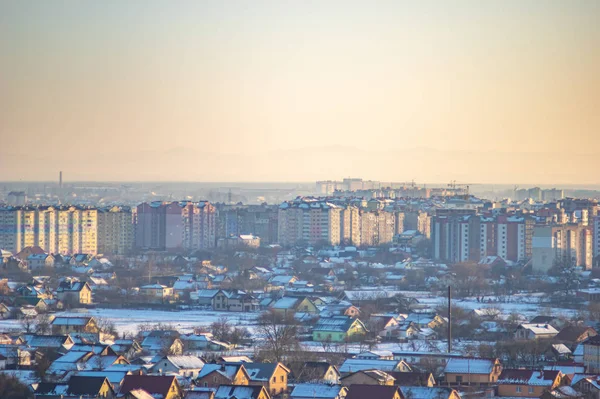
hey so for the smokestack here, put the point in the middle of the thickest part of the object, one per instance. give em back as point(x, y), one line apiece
point(449, 320)
point(60, 179)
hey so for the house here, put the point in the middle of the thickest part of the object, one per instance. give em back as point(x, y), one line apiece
point(204, 297)
point(588, 385)
point(162, 340)
point(156, 293)
point(287, 305)
point(54, 342)
point(163, 386)
point(574, 334)
point(14, 356)
point(5, 311)
point(273, 376)
point(203, 341)
point(338, 329)
point(374, 391)
point(74, 292)
point(185, 366)
point(353, 365)
point(317, 372)
point(563, 392)
point(425, 320)
point(32, 250)
point(418, 392)
point(472, 371)
point(40, 261)
point(367, 377)
point(77, 387)
point(199, 393)
point(318, 391)
point(375, 355)
point(413, 378)
point(129, 348)
point(530, 331)
point(215, 375)
point(235, 301)
point(527, 383)
point(241, 392)
point(68, 325)
point(591, 354)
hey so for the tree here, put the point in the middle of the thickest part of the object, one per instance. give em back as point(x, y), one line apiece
point(279, 333)
point(221, 329)
point(12, 388)
point(44, 324)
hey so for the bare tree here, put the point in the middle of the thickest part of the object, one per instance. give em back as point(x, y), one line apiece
point(279, 333)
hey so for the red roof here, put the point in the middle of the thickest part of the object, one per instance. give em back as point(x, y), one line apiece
point(153, 384)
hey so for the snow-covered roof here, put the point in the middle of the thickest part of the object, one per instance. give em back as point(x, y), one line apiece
point(469, 365)
point(316, 391)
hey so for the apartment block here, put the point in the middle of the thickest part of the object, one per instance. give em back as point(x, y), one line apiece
point(115, 230)
point(309, 220)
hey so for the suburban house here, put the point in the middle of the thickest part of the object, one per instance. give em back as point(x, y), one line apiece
point(591, 354)
point(273, 376)
point(375, 355)
point(317, 372)
point(74, 292)
point(472, 371)
point(318, 391)
point(234, 301)
point(425, 320)
point(68, 325)
point(418, 392)
point(165, 386)
point(215, 375)
point(162, 340)
point(530, 331)
point(368, 377)
point(574, 334)
point(374, 391)
point(40, 261)
point(241, 392)
point(413, 378)
point(185, 366)
point(527, 383)
point(353, 365)
point(338, 329)
point(203, 341)
point(157, 293)
point(288, 305)
point(76, 387)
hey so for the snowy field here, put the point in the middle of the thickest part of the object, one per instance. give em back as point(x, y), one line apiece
point(128, 320)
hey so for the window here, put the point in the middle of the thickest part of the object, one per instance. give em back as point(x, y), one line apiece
point(530, 390)
point(281, 378)
point(274, 379)
point(518, 388)
point(206, 384)
point(459, 379)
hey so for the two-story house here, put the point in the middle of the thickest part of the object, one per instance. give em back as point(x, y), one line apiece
point(472, 371)
point(527, 383)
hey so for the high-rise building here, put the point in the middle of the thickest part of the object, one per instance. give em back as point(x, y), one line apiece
point(309, 220)
point(595, 226)
point(350, 225)
point(561, 245)
point(176, 225)
point(115, 230)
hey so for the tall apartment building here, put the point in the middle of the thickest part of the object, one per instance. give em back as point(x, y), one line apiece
point(569, 244)
point(377, 228)
point(58, 230)
point(309, 220)
point(595, 226)
point(115, 230)
point(176, 225)
point(350, 225)
point(256, 220)
point(463, 238)
point(419, 221)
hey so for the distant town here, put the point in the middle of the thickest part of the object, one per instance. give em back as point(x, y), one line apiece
point(336, 290)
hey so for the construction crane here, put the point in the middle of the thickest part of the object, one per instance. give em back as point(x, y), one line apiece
point(453, 185)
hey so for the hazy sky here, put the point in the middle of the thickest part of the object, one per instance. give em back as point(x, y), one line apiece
point(479, 91)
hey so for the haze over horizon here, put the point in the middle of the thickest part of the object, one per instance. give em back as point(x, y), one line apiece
point(487, 92)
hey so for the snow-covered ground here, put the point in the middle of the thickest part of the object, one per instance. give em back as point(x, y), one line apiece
point(128, 320)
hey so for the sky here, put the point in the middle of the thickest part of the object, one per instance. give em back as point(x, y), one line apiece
point(474, 91)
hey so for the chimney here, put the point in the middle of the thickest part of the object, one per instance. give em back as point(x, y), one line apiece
point(60, 179)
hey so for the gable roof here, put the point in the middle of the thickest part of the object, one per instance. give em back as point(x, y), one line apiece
point(352, 365)
point(469, 365)
point(238, 391)
point(528, 377)
point(336, 323)
point(262, 371)
point(153, 384)
point(77, 385)
point(414, 392)
point(363, 391)
point(572, 333)
point(316, 391)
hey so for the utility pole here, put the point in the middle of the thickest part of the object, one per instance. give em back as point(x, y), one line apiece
point(449, 320)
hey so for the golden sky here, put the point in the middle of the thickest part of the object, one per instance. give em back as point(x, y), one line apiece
point(481, 91)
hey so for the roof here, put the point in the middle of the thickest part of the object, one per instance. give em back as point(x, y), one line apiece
point(238, 392)
point(315, 391)
point(410, 378)
point(335, 323)
point(153, 384)
point(539, 329)
point(572, 333)
point(378, 375)
point(415, 392)
point(71, 321)
point(362, 391)
point(469, 365)
point(186, 362)
point(77, 385)
point(528, 377)
point(352, 365)
point(262, 371)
